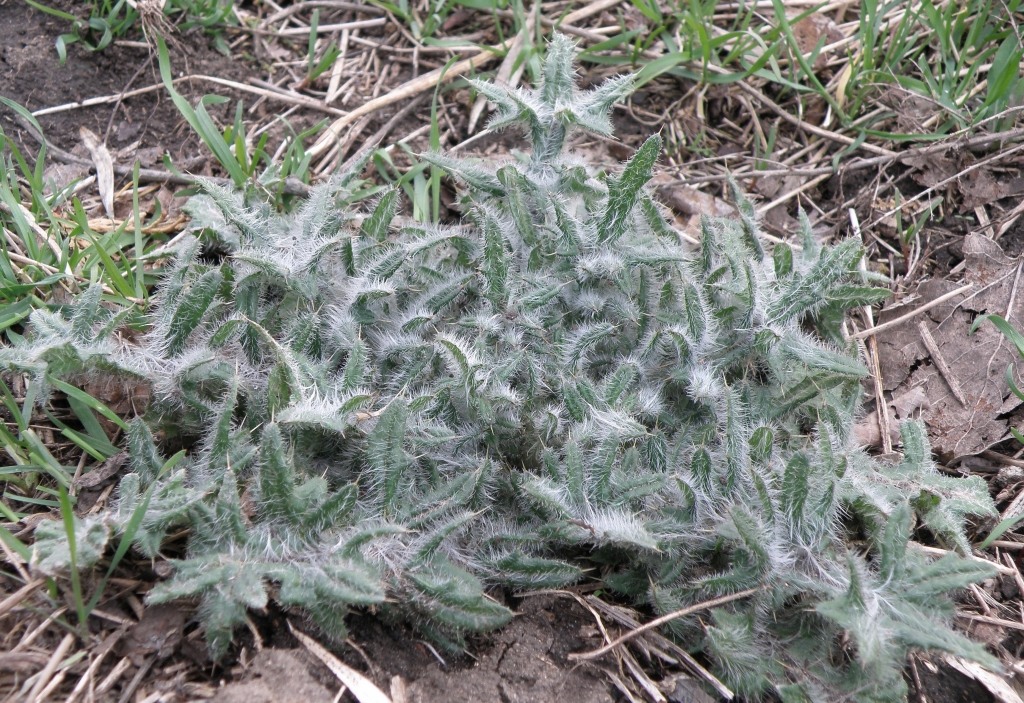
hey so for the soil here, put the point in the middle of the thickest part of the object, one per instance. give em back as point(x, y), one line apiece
point(32, 75)
point(945, 685)
point(522, 663)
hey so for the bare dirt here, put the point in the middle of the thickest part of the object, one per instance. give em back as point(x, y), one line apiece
point(522, 663)
point(32, 75)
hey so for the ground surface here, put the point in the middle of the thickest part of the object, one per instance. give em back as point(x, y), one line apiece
point(524, 662)
point(31, 74)
point(162, 657)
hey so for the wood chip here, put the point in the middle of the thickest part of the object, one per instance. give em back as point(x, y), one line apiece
point(641, 677)
point(102, 472)
point(399, 693)
point(113, 677)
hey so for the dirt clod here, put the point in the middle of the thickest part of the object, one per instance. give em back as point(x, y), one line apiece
point(276, 676)
point(522, 663)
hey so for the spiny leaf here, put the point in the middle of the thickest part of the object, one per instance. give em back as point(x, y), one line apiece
point(762, 442)
point(386, 456)
point(949, 573)
point(515, 187)
point(277, 478)
point(893, 543)
point(375, 227)
point(805, 292)
point(333, 512)
point(748, 222)
point(583, 340)
point(474, 176)
point(575, 473)
point(191, 308)
point(558, 82)
point(145, 458)
point(355, 367)
point(495, 262)
point(513, 106)
point(220, 445)
point(529, 572)
point(782, 258)
point(624, 191)
point(51, 552)
point(796, 487)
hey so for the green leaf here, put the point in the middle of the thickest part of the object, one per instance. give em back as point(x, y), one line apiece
point(146, 459)
point(1005, 72)
point(999, 530)
point(748, 222)
point(557, 84)
point(782, 258)
point(495, 262)
point(88, 401)
point(1011, 333)
point(276, 478)
point(850, 296)
point(575, 473)
point(375, 227)
point(332, 513)
point(221, 435)
point(803, 293)
point(892, 547)
point(762, 442)
point(528, 572)
point(583, 339)
point(472, 175)
point(624, 191)
point(701, 468)
point(386, 457)
point(52, 549)
point(192, 306)
point(279, 389)
point(200, 120)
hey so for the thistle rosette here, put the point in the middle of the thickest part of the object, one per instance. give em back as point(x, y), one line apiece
point(555, 389)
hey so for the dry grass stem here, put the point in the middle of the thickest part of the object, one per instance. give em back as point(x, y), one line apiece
point(321, 29)
point(406, 90)
point(44, 676)
point(658, 622)
point(684, 658)
point(364, 690)
point(1001, 622)
point(15, 599)
point(940, 363)
point(913, 313)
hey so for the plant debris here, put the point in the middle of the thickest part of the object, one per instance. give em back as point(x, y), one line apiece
point(926, 383)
